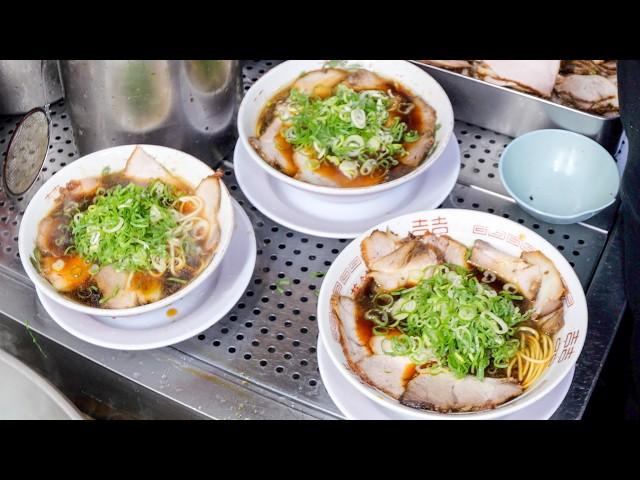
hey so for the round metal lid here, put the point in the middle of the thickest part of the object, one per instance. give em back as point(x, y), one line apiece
point(26, 152)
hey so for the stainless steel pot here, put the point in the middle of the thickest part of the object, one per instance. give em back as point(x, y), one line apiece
point(27, 84)
point(189, 105)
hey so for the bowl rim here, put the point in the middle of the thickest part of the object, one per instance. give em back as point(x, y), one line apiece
point(610, 161)
point(341, 191)
point(44, 386)
point(47, 289)
point(385, 401)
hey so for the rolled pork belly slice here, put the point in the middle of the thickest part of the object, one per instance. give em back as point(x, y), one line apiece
point(320, 83)
point(273, 148)
point(417, 151)
point(387, 373)
point(549, 296)
point(355, 345)
point(531, 76)
point(510, 269)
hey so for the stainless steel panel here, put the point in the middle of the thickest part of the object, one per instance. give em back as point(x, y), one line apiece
point(26, 84)
point(513, 113)
point(189, 105)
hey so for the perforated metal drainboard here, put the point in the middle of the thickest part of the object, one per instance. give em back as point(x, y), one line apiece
point(269, 337)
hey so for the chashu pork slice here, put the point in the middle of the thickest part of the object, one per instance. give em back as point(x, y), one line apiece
point(551, 291)
point(142, 168)
point(510, 269)
point(113, 286)
point(209, 192)
point(379, 344)
point(147, 288)
point(417, 151)
point(552, 323)
point(362, 79)
point(354, 342)
point(126, 290)
point(531, 76)
point(446, 393)
point(377, 245)
point(273, 148)
point(405, 266)
point(306, 173)
point(452, 251)
point(79, 189)
point(388, 374)
point(588, 92)
point(589, 67)
point(320, 83)
point(48, 231)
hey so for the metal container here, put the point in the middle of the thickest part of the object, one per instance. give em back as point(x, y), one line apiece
point(514, 113)
point(27, 84)
point(189, 105)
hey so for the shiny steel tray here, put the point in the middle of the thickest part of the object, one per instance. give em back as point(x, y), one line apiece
point(513, 113)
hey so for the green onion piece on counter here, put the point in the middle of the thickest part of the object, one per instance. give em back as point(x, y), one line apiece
point(34, 339)
point(280, 283)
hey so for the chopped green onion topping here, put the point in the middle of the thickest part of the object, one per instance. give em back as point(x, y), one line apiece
point(349, 129)
point(461, 321)
point(127, 238)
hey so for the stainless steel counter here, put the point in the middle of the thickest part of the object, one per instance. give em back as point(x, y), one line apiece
point(259, 361)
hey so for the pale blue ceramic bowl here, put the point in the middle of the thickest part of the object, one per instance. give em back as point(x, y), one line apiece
point(559, 176)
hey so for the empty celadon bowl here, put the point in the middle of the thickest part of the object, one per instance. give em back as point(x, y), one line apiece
point(559, 176)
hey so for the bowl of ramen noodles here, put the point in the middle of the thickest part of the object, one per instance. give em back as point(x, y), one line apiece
point(345, 128)
point(126, 230)
point(452, 314)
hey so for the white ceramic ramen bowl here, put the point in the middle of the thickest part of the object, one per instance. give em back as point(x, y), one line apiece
point(178, 163)
point(348, 270)
point(410, 76)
